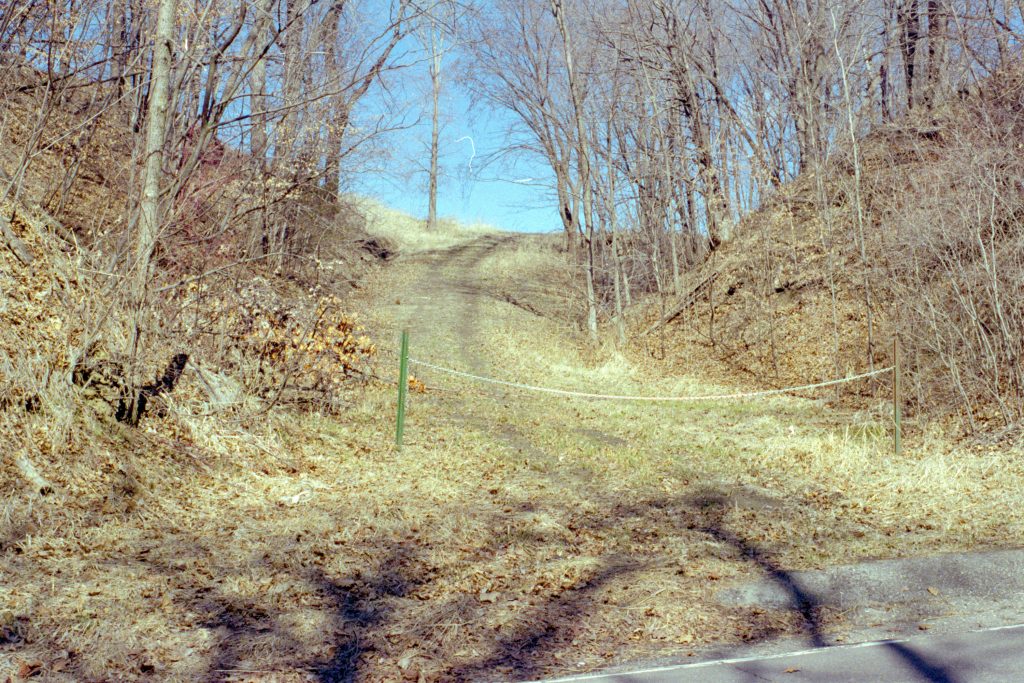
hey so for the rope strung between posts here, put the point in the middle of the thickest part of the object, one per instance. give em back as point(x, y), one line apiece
point(613, 397)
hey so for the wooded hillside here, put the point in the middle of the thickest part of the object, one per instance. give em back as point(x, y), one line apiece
point(163, 229)
point(918, 236)
point(875, 142)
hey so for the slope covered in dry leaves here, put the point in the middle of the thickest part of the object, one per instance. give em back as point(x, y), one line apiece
point(912, 231)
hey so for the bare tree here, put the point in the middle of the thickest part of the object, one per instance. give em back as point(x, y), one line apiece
point(150, 215)
point(353, 67)
point(583, 160)
point(515, 59)
point(909, 20)
point(156, 135)
point(438, 30)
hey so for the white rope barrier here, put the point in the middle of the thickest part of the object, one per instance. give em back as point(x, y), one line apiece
point(613, 397)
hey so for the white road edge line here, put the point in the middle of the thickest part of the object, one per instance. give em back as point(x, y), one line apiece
point(762, 658)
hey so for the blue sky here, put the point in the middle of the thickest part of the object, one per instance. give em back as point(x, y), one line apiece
point(511, 194)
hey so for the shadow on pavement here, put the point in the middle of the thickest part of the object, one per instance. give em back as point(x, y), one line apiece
point(804, 602)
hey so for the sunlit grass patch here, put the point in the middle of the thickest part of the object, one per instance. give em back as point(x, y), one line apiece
point(412, 234)
point(530, 264)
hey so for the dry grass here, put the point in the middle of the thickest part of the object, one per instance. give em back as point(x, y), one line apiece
point(946, 496)
point(411, 234)
point(634, 493)
point(514, 536)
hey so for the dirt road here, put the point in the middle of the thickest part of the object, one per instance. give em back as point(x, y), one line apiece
point(639, 515)
point(452, 299)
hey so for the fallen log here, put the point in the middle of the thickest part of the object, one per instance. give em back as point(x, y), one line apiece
point(685, 303)
point(31, 474)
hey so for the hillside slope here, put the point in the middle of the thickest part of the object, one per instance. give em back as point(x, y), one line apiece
point(261, 381)
point(915, 232)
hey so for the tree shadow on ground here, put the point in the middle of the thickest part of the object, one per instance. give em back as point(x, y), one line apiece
point(517, 653)
point(355, 612)
point(801, 600)
point(356, 607)
point(521, 653)
point(353, 604)
point(805, 603)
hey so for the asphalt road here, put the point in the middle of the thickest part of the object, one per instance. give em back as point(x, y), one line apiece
point(984, 656)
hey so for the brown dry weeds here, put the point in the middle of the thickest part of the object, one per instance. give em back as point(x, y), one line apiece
point(515, 536)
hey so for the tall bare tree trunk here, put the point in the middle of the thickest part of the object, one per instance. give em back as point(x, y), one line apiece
point(156, 134)
point(258, 104)
point(938, 14)
point(858, 199)
point(583, 152)
point(613, 225)
point(118, 45)
point(436, 54)
point(258, 101)
point(908, 18)
point(150, 215)
point(290, 88)
point(339, 107)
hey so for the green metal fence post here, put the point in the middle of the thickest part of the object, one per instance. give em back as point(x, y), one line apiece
point(403, 389)
point(897, 408)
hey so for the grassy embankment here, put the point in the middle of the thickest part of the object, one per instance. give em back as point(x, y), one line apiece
point(515, 534)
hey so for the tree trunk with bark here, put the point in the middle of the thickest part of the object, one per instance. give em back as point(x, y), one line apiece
point(156, 134)
point(436, 55)
point(583, 161)
point(150, 214)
